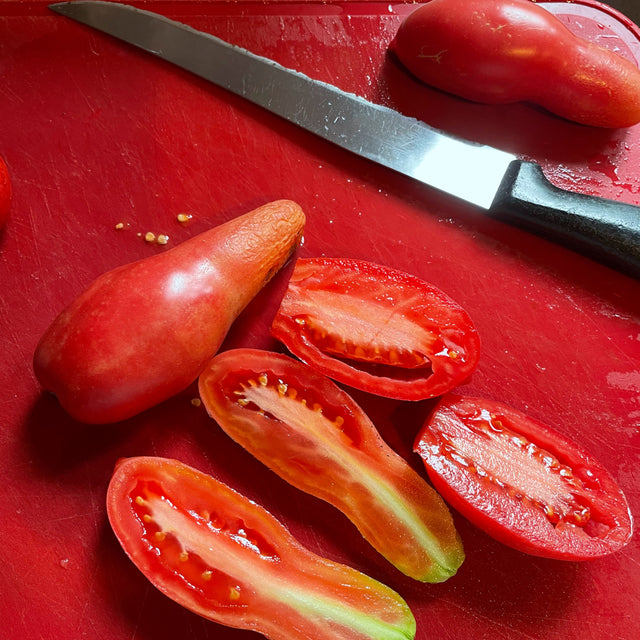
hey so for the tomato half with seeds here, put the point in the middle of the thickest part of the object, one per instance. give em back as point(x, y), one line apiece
point(222, 556)
point(522, 482)
point(376, 329)
point(311, 433)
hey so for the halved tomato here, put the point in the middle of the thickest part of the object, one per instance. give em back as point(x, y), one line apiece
point(376, 329)
point(311, 433)
point(522, 482)
point(224, 557)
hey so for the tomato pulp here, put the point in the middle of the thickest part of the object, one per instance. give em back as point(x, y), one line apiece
point(222, 556)
point(522, 482)
point(376, 329)
point(311, 433)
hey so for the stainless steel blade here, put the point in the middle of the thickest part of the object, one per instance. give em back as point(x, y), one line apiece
point(469, 171)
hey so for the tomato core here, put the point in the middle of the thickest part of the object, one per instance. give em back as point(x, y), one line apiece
point(548, 485)
point(263, 393)
point(344, 347)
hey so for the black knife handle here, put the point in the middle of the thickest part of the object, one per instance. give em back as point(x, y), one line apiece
point(606, 230)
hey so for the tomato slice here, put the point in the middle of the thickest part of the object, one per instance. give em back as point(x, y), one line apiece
point(224, 557)
point(376, 329)
point(521, 482)
point(311, 433)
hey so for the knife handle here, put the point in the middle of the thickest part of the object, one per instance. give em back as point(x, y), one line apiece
point(607, 230)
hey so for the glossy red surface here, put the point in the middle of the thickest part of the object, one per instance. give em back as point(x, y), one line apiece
point(96, 133)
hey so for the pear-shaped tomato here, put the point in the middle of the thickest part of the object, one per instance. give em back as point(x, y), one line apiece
point(502, 51)
point(144, 331)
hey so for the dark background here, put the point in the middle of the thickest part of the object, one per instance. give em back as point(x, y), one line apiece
point(631, 8)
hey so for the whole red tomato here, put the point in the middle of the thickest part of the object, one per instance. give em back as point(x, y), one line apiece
point(143, 332)
point(5, 193)
point(502, 51)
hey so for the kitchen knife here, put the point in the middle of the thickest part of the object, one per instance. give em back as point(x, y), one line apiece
point(508, 188)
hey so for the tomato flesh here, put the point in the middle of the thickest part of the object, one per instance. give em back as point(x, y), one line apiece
point(224, 557)
point(376, 329)
point(522, 482)
point(310, 432)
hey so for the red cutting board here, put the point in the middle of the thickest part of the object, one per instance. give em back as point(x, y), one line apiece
point(96, 133)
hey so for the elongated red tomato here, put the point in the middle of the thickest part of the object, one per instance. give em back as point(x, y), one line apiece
point(143, 332)
point(522, 482)
point(311, 433)
point(222, 556)
point(376, 329)
point(501, 51)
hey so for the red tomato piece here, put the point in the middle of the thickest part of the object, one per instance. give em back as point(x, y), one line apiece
point(144, 331)
point(502, 51)
point(376, 329)
point(312, 434)
point(224, 557)
point(5, 193)
point(522, 482)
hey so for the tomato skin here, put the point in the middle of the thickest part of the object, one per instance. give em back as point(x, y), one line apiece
point(143, 332)
point(5, 193)
point(311, 433)
point(504, 51)
point(354, 302)
point(523, 483)
point(224, 557)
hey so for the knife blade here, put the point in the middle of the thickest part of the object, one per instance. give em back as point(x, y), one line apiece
point(490, 179)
